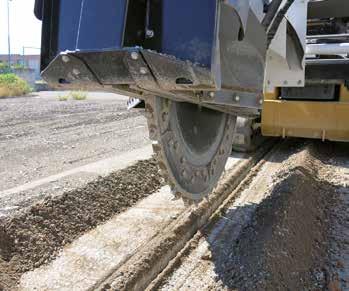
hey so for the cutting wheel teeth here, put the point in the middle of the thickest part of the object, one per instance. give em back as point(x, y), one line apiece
point(154, 133)
point(161, 130)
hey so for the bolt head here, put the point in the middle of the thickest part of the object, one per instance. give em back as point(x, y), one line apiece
point(237, 98)
point(149, 33)
point(143, 70)
point(212, 94)
point(76, 72)
point(65, 59)
point(184, 174)
point(134, 56)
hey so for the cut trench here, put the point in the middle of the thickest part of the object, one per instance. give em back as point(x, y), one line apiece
point(34, 236)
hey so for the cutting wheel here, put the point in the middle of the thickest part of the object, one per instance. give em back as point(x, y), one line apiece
point(192, 145)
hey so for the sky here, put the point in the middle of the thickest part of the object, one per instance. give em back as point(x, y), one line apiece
point(25, 29)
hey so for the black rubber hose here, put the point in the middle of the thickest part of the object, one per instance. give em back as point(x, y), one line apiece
point(277, 20)
point(38, 9)
point(273, 8)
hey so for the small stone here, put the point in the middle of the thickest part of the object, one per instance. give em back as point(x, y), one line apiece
point(340, 265)
point(206, 257)
point(334, 286)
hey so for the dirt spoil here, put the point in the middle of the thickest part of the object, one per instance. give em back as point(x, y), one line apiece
point(285, 246)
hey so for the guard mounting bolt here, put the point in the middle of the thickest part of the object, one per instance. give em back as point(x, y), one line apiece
point(143, 70)
point(149, 33)
point(76, 72)
point(65, 59)
point(134, 56)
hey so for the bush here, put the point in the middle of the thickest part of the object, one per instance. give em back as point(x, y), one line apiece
point(75, 95)
point(4, 68)
point(63, 97)
point(12, 85)
point(19, 67)
point(78, 95)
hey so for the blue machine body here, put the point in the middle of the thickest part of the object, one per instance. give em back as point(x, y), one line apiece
point(181, 28)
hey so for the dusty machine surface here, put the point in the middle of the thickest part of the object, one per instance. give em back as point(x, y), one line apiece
point(199, 64)
point(307, 86)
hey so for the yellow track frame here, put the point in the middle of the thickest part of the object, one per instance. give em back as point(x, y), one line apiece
point(320, 120)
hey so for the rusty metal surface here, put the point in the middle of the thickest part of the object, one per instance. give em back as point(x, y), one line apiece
point(141, 73)
point(70, 70)
point(168, 71)
point(109, 66)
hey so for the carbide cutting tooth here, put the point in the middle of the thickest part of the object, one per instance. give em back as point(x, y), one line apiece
point(156, 147)
point(176, 197)
point(166, 142)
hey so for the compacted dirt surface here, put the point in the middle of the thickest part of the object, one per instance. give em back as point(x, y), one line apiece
point(42, 136)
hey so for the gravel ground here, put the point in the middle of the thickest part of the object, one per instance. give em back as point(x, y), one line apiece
point(42, 136)
point(294, 238)
point(336, 171)
point(284, 246)
point(298, 236)
point(288, 230)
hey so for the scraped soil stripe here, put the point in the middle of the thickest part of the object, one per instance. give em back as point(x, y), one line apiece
point(148, 262)
point(33, 237)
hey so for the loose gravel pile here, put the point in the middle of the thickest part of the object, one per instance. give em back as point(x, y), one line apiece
point(35, 236)
point(287, 244)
